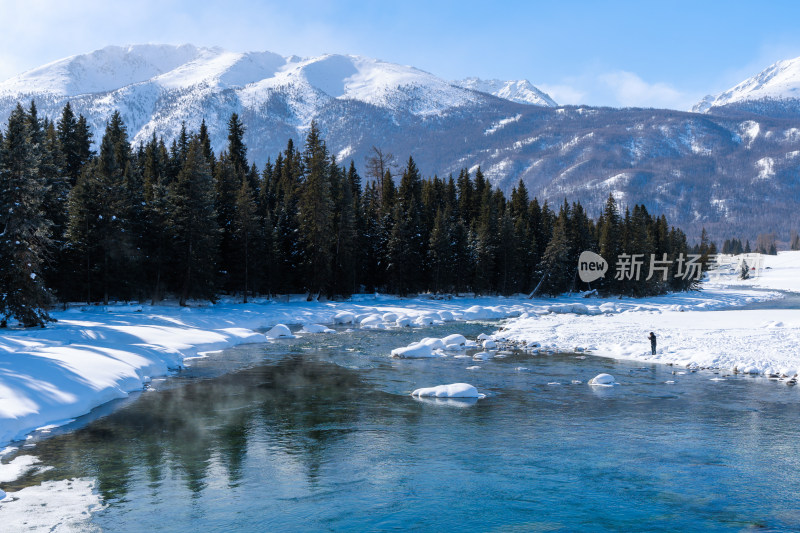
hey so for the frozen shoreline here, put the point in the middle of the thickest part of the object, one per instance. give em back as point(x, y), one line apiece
point(96, 354)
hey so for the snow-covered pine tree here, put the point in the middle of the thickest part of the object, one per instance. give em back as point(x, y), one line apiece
point(24, 227)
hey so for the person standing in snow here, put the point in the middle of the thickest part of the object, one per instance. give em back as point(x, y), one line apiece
point(652, 338)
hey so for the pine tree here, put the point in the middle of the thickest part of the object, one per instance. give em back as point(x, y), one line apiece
point(315, 214)
point(346, 231)
point(227, 184)
point(611, 243)
point(193, 225)
point(246, 233)
point(440, 252)
point(76, 140)
point(237, 151)
point(794, 241)
point(407, 247)
point(556, 265)
point(25, 236)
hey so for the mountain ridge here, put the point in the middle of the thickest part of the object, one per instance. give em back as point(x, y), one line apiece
point(716, 170)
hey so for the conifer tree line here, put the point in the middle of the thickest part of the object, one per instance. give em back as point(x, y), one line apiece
point(154, 221)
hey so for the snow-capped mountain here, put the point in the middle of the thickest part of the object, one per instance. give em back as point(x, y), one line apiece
point(158, 87)
point(520, 91)
point(716, 170)
point(780, 82)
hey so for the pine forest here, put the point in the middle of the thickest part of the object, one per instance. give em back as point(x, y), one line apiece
point(158, 221)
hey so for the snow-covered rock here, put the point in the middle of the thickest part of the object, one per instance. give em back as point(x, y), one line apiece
point(454, 340)
point(482, 356)
point(489, 344)
point(403, 322)
point(280, 331)
point(317, 328)
point(433, 342)
point(344, 317)
point(608, 307)
point(446, 316)
point(390, 317)
point(414, 351)
point(423, 320)
point(603, 380)
point(372, 320)
point(454, 390)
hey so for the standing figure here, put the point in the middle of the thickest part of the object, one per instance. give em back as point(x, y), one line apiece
point(652, 338)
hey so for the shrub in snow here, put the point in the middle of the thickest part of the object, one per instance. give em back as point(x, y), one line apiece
point(345, 317)
point(454, 390)
point(280, 331)
point(603, 380)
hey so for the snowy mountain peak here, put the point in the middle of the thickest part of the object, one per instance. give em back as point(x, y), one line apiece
point(154, 69)
point(102, 70)
point(779, 81)
point(520, 91)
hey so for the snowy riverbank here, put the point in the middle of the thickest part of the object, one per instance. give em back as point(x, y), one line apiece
point(95, 354)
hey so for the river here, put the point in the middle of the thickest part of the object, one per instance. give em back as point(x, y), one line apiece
point(320, 433)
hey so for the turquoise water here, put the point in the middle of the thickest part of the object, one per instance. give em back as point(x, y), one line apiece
point(320, 433)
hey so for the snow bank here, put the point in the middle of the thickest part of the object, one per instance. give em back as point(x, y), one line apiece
point(698, 329)
point(454, 390)
point(65, 505)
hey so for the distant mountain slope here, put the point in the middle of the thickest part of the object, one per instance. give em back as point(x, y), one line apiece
point(773, 91)
point(520, 91)
point(729, 170)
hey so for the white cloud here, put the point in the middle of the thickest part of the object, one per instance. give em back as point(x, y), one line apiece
point(564, 94)
point(629, 90)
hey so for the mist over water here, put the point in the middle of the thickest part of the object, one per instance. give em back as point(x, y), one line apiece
point(320, 433)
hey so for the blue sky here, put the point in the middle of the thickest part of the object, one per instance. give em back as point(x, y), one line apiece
point(615, 53)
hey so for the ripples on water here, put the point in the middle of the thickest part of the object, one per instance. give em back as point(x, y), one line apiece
point(320, 433)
